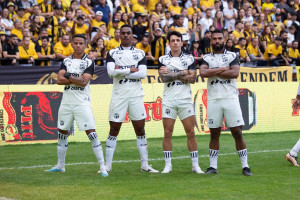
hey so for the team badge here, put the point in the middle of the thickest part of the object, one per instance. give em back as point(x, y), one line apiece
point(62, 123)
point(210, 121)
point(167, 111)
point(184, 63)
point(135, 57)
point(116, 115)
point(82, 66)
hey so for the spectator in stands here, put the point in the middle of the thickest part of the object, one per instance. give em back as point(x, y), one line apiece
point(168, 20)
point(185, 18)
point(158, 12)
point(11, 51)
point(205, 44)
point(115, 26)
point(54, 22)
point(193, 23)
point(145, 46)
point(98, 52)
point(229, 45)
point(255, 54)
point(293, 54)
point(174, 8)
point(46, 9)
point(284, 8)
point(218, 20)
point(157, 42)
point(270, 5)
point(291, 35)
point(96, 23)
point(239, 30)
point(125, 8)
point(35, 27)
point(6, 22)
point(79, 27)
point(293, 20)
point(206, 4)
point(196, 52)
point(17, 30)
point(124, 19)
point(116, 16)
point(87, 11)
point(261, 22)
point(278, 23)
point(36, 12)
point(139, 29)
point(138, 8)
point(206, 21)
point(266, 38)
point(45, 51)
point(27, 52)
point(240, 49)
point(134, 40)
point(178, 24)
point(114, 42)
point(241, 15)
point(21, 15)
point(274, 54)
point(63, 48)
point(230, 15)
point(249, 17)
point(63, 29)
point(247, 32)
point(194, 9)
point(217, 8)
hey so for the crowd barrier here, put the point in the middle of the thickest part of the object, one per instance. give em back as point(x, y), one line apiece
point(28, 113)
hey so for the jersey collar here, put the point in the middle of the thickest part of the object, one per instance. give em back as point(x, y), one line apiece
point(121, 48)
point(224, 52)
point(181, 54)
point(83, 57)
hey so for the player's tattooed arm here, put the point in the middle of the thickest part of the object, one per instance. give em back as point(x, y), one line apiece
point(61, 79)
point(167, 76)
point(82, 80)
point(190, 77)
point(205, 72)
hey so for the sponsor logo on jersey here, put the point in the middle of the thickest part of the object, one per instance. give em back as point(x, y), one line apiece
point(74, 88)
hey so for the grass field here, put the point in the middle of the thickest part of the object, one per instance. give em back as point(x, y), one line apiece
point(22, 173)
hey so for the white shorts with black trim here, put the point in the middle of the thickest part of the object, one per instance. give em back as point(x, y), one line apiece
point(83, 115)
point(230, 109)
point(181, 107)
point(119, 107)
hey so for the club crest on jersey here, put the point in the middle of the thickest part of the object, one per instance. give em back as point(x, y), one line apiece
point(135, 57)
point(116, 115)
point(224, 59)
point(184, 63)
point(210, 121)
point(82, 66)
point(62, 123)
point(168, 111)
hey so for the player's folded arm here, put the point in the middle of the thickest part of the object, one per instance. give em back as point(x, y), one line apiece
point(111, 68)
point(168, 76)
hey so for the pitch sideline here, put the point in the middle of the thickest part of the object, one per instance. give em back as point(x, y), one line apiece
point(129, 161)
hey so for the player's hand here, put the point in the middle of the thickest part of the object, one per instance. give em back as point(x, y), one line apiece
point(183, 79)
point(117, 67)
point(134, 69)
point(296, 103)
point(163, 70)
point(186, 72)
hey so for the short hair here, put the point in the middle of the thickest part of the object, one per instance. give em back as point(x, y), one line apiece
point(294, 41)
point(176, 33)
point(126, 25)
point(254, 38)
point(45, 38)
point(26, 37)
point(241, 39)
point(217, 31)
point(80, 36)
point(236, 23)
point(145, 37)
point(13, 35)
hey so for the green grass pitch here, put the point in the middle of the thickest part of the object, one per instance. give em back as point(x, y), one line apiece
point(22, 173)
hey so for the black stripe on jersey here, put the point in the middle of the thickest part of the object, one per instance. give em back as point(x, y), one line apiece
point(143, 61)
point(192, 66)
point(90, 69)
point(109, 58)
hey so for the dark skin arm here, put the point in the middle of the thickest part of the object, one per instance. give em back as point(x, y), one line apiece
point(82, 80)
point(233, 72)
point(205, 72)
point(190, 77)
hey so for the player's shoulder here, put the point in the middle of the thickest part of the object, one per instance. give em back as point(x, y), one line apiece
point(140, 51)
point(207, 57)
point(164, 57)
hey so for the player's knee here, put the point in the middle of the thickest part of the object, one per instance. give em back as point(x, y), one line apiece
point(114, 131)
point(190, 134)
point(168, 133)
point(140, 131)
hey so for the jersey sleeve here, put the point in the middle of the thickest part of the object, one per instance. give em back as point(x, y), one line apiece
point(143, 61)
point(160, 64)
point(192, 66)
point(236, 61)
point(109, 58)
point(63, 66)
point(90, 69)
point(204, 62)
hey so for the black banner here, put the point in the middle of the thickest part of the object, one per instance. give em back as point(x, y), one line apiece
point(43, 75)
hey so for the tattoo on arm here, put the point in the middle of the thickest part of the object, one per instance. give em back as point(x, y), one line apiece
point(171, 76)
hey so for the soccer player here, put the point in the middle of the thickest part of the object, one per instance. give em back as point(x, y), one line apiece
point(292, 155)
point(177, 70)
point(221, 67)
point(75, 73)
point(127, 65)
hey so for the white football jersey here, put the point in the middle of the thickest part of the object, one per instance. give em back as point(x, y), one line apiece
point(217, 87)
point(124, 59)
point(177, 89)
point(75, 94)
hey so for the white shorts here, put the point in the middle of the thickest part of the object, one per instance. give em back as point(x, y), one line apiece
point(217, 109)
point(181, 107)
point(119, 107)
point(83, 115)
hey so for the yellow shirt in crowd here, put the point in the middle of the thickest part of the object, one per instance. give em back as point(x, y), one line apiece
point(18, 33)
point(207, 3)
point(27, 53)
point(293, 53)
point(145, 49)
point(271, 49)
point(252, 50)
point(113, 43)
point(191, 10)
point(81, 30)
point(64, 50)
point(243, 51)
point(176, 9)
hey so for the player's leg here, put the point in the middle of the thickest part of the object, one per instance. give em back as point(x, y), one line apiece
point(214, 121)
point(137, 114)
point(117, 113)
point(234, 120)
point(168, 124)
point(64, 123)
point(292, 155)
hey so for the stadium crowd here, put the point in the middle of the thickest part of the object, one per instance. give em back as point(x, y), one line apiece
point(261, 32)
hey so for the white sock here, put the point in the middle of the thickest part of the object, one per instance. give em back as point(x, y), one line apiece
point(62, 146)
point(213, 158)
point(194, 156)
point(97, 148)
point(111, 144)
point(168, 157)
point(295, 149)
point(244, 157)
point(141, 143)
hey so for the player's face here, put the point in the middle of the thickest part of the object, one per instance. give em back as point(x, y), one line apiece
point(126, 36)
point(78, 45)
point(217, 41)
point(175, 43)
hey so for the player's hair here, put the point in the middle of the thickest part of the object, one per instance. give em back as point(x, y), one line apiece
point(80, 36)
point(176, 33)
point(45, 38)
point(126, 25)
point(217, 31)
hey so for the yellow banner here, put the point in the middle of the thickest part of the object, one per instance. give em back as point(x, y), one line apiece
point(298, 73)
point(247, 74)
point(266, 107)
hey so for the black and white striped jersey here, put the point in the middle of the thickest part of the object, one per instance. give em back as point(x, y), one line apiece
point(216, 86)
point(75, 94)
point(177, 89)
